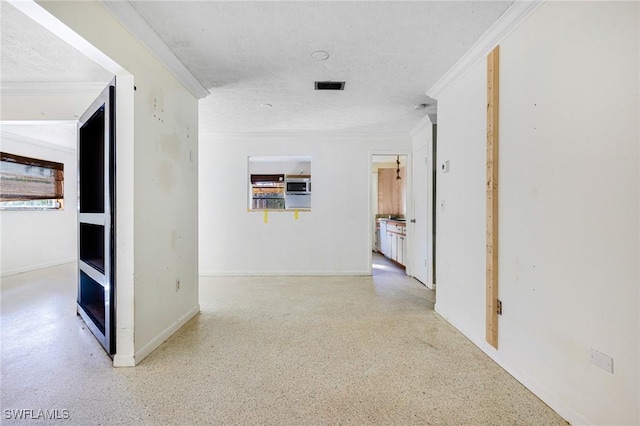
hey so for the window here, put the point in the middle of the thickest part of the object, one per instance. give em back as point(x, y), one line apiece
point(30, 183)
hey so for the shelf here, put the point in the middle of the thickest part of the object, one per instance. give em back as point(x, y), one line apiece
point(92, 245)
point(268, 203)
point(91, 164)
point(278, 210)
point(92, 299)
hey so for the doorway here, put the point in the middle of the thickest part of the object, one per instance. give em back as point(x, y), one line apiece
point(389, 200)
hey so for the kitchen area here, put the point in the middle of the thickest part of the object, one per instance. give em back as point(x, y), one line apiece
point(279, 183)
point(389, 197)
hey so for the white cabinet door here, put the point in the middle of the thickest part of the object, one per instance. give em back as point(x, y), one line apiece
point(384, 240)
point(394, 245)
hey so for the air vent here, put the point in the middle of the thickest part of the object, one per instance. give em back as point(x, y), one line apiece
point(329, 85)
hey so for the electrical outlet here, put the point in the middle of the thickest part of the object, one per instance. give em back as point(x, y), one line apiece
point(601, 360)
point(177, 285)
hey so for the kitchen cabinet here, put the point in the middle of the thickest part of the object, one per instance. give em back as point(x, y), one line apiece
point(384, 238)
point(393, 243)
point(392, 235)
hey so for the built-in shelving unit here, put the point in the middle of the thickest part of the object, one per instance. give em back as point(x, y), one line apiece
point(268, 196)
point(267, 192)
point(96, 207)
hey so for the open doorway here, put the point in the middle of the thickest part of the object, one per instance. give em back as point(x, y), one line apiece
point(389, 189)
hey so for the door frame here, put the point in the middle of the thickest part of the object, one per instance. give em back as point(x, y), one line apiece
point(408, 205)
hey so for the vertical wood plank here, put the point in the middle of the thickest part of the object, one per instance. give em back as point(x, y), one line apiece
point(493, 65)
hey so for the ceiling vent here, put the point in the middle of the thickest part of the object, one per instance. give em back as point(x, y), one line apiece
point(329, 85)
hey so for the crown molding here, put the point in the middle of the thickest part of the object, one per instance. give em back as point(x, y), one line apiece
point(4, 135)
point(131, 20)
point(50, 88)
point(308, 134)
point(509, 21)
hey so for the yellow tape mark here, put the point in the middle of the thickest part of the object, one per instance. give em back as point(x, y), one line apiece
point(266, 216)
point(295, 214)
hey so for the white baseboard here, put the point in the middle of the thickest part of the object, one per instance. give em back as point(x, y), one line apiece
point(164, 335)
point(36, 267)
point(527, 381)
point(283, 273)
point(124, 360)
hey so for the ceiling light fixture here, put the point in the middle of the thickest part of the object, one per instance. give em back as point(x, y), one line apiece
point(420, 107)
point(266, 105)
point(320, 55)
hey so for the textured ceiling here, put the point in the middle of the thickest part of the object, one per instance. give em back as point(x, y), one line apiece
point(30, 53)
point(253, 53)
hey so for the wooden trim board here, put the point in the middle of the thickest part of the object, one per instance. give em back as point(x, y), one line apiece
point(493, 66)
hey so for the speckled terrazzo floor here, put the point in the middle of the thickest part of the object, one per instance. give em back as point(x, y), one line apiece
point(267, 350)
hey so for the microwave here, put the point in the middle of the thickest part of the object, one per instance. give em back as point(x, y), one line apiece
point(297, 185)
point(297, 192)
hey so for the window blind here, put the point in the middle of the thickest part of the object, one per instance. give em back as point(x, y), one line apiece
point(25, 179)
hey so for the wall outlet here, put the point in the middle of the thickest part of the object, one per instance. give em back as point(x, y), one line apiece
point(601, 360)
point(177, 285)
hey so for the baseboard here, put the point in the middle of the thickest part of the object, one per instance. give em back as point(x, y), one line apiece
point(124, 360)
point(283, 273)
point(36, 267)
point(164, 335)
point(527, 381)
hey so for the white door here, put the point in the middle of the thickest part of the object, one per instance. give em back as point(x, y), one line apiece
point(421, 215)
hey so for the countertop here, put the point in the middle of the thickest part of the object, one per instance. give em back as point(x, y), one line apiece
point(398, 221)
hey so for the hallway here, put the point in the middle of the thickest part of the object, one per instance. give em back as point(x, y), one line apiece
point(264, 350)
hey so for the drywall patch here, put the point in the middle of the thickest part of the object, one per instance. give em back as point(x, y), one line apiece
point(166, 175)
point(170, 144)
point(176, 241)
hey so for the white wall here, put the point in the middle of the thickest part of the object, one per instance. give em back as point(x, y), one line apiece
point(568, 218)
point(281, 166)
point(157, 174)
point(40, 238)
point(333, 238)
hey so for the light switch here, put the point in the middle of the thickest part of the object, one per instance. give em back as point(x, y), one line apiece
point(442, 203)
point(444, 167)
